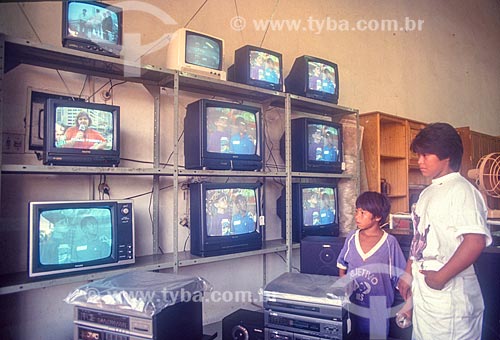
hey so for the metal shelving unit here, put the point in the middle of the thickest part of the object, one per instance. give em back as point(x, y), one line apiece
point(17, 51)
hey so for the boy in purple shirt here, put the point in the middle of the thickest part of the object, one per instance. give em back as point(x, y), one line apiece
point(373, 261)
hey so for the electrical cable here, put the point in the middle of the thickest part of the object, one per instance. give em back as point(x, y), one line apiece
point(195, 13)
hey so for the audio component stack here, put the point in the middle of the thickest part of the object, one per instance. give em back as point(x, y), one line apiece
point(302, 306)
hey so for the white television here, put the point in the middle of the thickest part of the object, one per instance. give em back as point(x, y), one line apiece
point(196, 53)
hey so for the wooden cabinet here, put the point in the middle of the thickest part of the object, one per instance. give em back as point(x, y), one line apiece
point(477, 145)
point(387, 157)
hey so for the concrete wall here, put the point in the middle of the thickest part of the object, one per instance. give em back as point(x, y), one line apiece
point(443, 65)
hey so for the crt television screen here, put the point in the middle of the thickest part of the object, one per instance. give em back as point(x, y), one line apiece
point(321, 77)
point(231, 131)
point(323, 143)
point(74, 235)
point(203, 51)
point(265, 67)
point(318, 206)
point(231, 211)
point(92, 22)
point(81, 128)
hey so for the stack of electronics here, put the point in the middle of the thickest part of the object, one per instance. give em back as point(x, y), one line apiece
point(139, 306)
point(304, 307)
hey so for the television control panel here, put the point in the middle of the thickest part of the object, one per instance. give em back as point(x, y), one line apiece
point(126, 251)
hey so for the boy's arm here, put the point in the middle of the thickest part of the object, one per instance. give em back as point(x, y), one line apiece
point(341, 272)
point(404, 283)
point(465, 255)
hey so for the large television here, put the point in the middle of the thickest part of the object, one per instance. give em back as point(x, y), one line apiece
point(257, 66)
point(315, 210)
point(223, 136)
point(197, 53)
point(316, 146)
point(314, 78)
point(81, 133)
point(92, 26)
point(224, 218)
point(67, 237)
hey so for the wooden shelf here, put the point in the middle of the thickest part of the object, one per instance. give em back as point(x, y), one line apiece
point(386, 144)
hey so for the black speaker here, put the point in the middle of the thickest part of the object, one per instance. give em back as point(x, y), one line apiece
point(243, 325)
point(318, 254)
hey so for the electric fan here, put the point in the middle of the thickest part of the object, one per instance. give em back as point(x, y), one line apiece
point(487, 177)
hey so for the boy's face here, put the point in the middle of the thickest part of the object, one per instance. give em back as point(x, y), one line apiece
point(431, 166)
point(365, 219)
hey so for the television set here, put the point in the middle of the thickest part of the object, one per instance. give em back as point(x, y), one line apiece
point(258, 67)
point(67, 237)
point(92, 26)
point(316, 146)
point(314, 78)
point(315, 210)
point(223, 136)
point(197, 53)
point(81, 133)
point(225, 218)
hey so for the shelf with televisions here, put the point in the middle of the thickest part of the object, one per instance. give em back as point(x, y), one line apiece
point(17, 51)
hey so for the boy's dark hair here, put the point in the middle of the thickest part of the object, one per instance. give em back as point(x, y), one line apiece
point(376, 203)
point(442, 140)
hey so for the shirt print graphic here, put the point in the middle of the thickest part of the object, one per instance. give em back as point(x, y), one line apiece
point(419, 241)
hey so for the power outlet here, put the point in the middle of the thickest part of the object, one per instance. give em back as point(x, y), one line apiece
point(12, 143)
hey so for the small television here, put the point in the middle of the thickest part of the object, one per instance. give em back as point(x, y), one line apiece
point(222, 136)
point(197, 53)
point(315, 210)
point(316, 146)
point(67, 237)
point(258, 67)
point(92, 26)
point(81, 133)
point(224, 218)
point(314, 78)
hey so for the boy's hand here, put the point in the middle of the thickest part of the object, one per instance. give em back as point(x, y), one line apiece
point(433, 279)
point(404, 286)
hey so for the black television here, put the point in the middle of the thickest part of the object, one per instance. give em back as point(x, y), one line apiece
point(223, 136)
point(225, 218)
point(92, 26)
point(257, 66)
point(67, 237)
point(315, 210)
point(81, 133)
point(314, 78)
point(316, 146)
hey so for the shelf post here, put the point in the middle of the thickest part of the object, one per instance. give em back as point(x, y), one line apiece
point(288, 180)
point(175, 212)
point(155, 93)
point(2, 71)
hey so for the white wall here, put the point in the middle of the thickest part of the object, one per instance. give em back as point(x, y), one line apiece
point(447, 71)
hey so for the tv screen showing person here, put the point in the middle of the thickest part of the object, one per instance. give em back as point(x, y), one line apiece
point(231, 131)
point(323, 143)
point(231, 211)
point(321, 77)
point(84, 129)
point(264, 66)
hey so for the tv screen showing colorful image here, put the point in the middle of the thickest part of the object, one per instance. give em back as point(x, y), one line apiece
point(265, 67)
point(231, 211)
point(321, 77)
point(231, 131)
point(203, 51)
point(318, 206)
point(83, 128)
point(92, 22)
point(75, 235)
point(323, 143)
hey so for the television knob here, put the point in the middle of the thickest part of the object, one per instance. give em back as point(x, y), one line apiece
point(125, 211)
